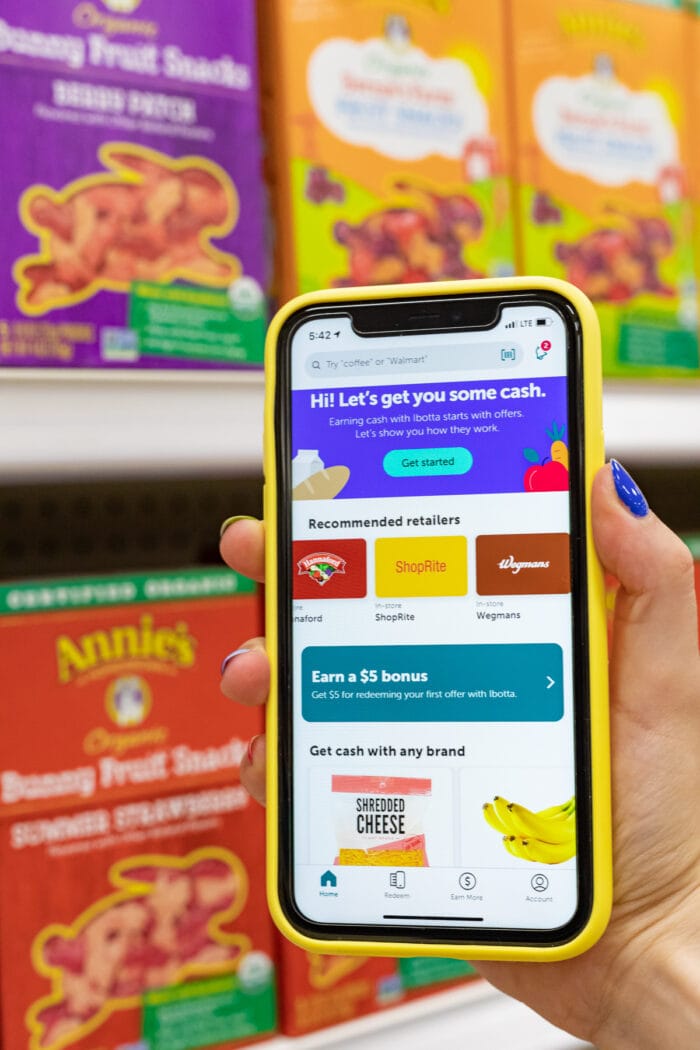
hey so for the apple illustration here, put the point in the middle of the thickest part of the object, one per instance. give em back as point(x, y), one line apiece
point(548, 474)
point(546, 477)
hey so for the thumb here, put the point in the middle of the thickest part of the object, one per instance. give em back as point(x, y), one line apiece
point(655, 630)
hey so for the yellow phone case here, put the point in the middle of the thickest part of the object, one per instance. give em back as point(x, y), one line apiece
point(599, 727)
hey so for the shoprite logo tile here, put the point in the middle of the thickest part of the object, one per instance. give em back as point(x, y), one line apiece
point(330, 569)
point(421, 566)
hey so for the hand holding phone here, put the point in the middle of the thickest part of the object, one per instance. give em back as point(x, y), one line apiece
point(436, 624)
point(617, 992)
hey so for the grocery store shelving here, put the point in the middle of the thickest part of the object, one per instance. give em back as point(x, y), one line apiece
point(60, 425)
point(86, 424)
point(471, 1017)
point(652, 422)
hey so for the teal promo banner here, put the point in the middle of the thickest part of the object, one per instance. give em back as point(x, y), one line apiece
point(432, 683)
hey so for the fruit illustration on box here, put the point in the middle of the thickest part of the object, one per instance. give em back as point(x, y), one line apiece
point(326, 970)
point(320, 187)
point(545, 836)
point(620, 259)
point(421, 241)
point(163, 925)
point(146, 217)
point(544, 210)
point(550, 474)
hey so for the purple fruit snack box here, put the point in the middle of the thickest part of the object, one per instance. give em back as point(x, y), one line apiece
point(133, 212)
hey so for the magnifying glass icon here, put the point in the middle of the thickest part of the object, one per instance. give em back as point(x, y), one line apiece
point(316, 364)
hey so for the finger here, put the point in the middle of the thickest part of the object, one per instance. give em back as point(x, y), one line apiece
point(655, 621)
point(253, 769)
point(245, 674)
point(242, 547)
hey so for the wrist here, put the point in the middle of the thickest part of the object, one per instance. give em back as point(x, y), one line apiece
point(657, 1002)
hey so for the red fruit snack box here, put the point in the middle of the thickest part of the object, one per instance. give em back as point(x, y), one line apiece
point(321, 990)
point(111, 686)
point(136, 924)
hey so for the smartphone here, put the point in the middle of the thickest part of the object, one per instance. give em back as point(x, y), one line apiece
point(438, 738)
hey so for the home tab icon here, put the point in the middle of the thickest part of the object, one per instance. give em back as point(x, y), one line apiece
point(329, 879)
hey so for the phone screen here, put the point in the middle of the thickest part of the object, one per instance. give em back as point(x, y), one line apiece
point(434, 711)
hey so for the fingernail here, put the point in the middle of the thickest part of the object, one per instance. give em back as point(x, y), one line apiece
point(628, 490)
point(251, 746)
point(227, 659)
point(230, 521)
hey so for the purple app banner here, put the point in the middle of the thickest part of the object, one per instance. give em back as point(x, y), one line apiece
point(430, 439)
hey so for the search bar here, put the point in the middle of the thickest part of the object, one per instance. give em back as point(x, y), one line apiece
point(457, 358)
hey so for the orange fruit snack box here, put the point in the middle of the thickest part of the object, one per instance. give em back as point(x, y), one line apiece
point(602, 154)
point(388, 153)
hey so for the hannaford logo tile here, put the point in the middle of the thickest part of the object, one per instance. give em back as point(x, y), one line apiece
point(531, 563)
point(321, 567)
point(330, 569)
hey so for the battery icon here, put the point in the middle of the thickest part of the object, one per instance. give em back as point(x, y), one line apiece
point(542, 321)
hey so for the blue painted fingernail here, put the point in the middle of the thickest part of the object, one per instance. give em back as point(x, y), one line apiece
point(231, 656)
point(628, 491)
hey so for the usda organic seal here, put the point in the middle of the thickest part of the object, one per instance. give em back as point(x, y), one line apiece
point(246, 298)
point(255, 972)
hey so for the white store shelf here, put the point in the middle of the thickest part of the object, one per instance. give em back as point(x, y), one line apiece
point(58, 425)
point(652, 422)
point(471, 1017)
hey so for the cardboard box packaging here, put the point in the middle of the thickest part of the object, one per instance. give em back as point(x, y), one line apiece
point(148, 928)
point(321, 990)
point(601, 120)
point(111, 686)
point(132, 228)
point(693, 18)
point(389, 159)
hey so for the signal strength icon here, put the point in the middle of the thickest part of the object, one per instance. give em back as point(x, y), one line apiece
point(511, 324)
